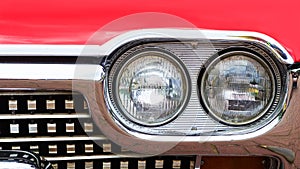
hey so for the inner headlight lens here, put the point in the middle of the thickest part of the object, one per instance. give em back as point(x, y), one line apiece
point(151, 86)
point(237, 88)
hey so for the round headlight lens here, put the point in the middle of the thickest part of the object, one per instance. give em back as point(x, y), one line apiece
point(150, 86)
point(237, 88)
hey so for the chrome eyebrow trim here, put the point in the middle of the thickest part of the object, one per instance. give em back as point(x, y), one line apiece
point(193, 34)
point(108, 47)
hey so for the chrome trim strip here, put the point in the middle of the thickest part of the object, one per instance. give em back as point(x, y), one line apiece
point(47, 139)
point(87, 157)
point(208, 138)
point(43, 116)
point(198, 162)
point(14, 92)
point(51, 72)
point(49, 50)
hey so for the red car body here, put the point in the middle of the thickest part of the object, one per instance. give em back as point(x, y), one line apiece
point(74, 22)
point(56, 22)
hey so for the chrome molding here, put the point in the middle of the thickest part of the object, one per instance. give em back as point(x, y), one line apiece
point(212, 138)
point(89, 157)
point(51, 72)
point(49, 50)
point(45, 138)
point(198, 162)
point(193, 34)
point(36, 93)
point(43, 116)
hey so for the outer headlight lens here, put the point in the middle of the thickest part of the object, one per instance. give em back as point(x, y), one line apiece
point(237, 88)
point(150, 86)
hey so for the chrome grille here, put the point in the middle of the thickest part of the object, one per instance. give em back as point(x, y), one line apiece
point(58, 126)
point(49, 124)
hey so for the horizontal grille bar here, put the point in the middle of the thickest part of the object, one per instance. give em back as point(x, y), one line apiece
point(46, 127)
point(68, 148)
point(117, 162)
point(46, 103)
point(91, 157)
point(45, 116)
point(46, 139)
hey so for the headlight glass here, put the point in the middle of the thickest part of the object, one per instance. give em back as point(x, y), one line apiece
point(150, 86)
point(237, 88)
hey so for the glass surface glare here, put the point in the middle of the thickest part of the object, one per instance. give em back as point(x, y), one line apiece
point(238, 88)
point(151, 87)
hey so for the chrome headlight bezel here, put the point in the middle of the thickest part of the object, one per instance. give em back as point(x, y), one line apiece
point(251, 55)
point(126, 59)
point(194, 53)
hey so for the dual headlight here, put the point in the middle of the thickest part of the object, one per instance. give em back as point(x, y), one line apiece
point(237, 87)
point(152, 86)
point(149, 86)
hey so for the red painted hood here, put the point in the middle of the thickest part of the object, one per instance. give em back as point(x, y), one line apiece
point(75, 21)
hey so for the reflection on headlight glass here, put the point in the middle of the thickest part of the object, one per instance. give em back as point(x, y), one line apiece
point(151, 88)
point(237, 89)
